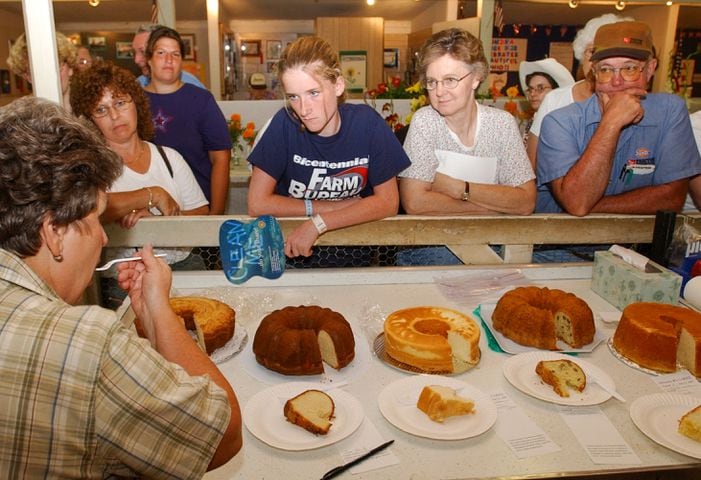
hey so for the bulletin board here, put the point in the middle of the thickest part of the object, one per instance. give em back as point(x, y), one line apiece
point(508, 53)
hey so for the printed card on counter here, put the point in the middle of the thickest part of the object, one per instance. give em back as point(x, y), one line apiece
point(252, 248)
point(518, 431)
point(597, 436)
point(681, 382)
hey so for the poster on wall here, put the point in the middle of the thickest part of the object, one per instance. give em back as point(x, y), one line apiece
point(354, 68)
point(507, 53)
point(563, 53)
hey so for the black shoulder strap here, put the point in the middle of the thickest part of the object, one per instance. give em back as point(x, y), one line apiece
point(165, 159)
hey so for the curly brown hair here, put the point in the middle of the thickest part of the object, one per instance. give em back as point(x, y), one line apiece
point(52, 165)
point(88, 87)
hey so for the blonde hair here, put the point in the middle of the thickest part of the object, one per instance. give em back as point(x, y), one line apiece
point(18, 61)
point(460, 45)
point(313, 54)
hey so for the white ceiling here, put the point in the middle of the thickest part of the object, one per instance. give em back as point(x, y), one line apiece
point(540, 12)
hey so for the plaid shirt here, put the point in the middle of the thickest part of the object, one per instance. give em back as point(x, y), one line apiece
point(81, 396)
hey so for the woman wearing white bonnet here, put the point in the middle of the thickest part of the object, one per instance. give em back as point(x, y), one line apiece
point(577, 92)
point(538, 78)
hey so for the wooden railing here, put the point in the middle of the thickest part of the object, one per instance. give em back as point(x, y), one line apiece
point(468, 237)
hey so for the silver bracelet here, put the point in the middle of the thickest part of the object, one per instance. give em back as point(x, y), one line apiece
point(308, 208)
point(319, 223)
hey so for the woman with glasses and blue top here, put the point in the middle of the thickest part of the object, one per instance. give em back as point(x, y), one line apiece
point(466, 158)
point(155, 180)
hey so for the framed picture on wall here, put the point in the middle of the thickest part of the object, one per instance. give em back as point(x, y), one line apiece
point(250, 48)
point(273, 49)
point(189, 42)
point(97, 42)
point(124, 50)
point(354, 68)
point(391, 56)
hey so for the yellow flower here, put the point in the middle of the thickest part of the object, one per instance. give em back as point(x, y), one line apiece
point(512, 92)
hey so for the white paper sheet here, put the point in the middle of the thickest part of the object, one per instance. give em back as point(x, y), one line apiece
point(518, 431)
point(469, 168)
point(597, 436)
point(681, 382)
point(365, 439)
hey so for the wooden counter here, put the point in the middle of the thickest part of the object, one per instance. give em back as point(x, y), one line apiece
point(357, 292)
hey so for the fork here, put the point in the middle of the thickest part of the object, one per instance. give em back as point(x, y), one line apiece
point(120, 260)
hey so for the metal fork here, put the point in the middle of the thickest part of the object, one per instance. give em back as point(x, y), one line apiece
point(119, 260)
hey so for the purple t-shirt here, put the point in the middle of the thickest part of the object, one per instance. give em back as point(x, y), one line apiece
point(363, 153)
point(190, 121)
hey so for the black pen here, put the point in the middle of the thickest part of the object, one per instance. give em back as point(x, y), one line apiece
point(338, 470)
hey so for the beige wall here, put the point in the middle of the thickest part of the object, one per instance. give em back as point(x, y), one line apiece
point(11, 27)
point(357, 33)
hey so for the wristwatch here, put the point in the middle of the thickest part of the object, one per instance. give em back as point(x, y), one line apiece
point(466, 193)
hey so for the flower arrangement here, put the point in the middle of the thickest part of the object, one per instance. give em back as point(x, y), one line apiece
point(511, 106)
point(396, 88)
point(238, 133)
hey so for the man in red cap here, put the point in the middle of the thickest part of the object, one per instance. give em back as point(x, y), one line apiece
point(622, 150)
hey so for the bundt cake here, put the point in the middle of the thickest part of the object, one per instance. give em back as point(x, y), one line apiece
point(562, 375)
point(440, 402)
point(538, 317)
point(312, 410)
point(658, 336)
point(214, 321)
point(433, 339)
point(296, 340)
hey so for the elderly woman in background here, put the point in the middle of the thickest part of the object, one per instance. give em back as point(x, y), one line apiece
point(90, 368)
point(583, 46)
point(465, 158)
point(155, 180)
point(537, 79)
point(187, 118)
point(18, 62)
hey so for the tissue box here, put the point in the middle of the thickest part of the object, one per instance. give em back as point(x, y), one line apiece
point(621, 284)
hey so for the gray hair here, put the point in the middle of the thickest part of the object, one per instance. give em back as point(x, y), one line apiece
point(147, 28)
point(585, 36)
point(52, 165)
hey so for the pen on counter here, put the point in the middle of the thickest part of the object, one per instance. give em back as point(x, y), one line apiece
point(338, 470)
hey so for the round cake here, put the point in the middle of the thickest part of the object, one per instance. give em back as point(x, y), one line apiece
point(658, 336)
point(433, 339)
point(299, 340)
point(216, 320)
point(539, 316)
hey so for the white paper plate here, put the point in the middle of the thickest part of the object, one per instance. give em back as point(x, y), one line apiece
point(397, 402)
point(519, 370)
point(657, 416)
point(356, 368)
point(264, 418)
point(509, 346)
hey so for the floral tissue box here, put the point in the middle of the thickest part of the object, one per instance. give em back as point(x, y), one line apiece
point(621, 284)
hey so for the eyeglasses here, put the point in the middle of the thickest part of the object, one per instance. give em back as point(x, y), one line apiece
point(449, 83)
point(629, 73)
point(538, 89)
point(119, 105)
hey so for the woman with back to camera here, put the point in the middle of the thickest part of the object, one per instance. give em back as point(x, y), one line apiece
point(83, 396)
point(334, 162)
point(187, 118)
point(156, 180)
point(454, 130)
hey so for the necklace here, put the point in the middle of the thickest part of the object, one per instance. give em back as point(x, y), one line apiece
point(135, 161)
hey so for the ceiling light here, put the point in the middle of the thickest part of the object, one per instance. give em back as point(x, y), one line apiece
point(370, 2)
point(93, 3)
point(574, 3)
point(620, 5)
point(669, 3)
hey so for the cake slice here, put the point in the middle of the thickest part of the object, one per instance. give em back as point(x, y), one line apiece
point(311, 410)
point(690, 424)
point(562, 375)
point(440, 402)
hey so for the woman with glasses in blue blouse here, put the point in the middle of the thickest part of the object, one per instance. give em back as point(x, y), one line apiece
point(465, 158)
